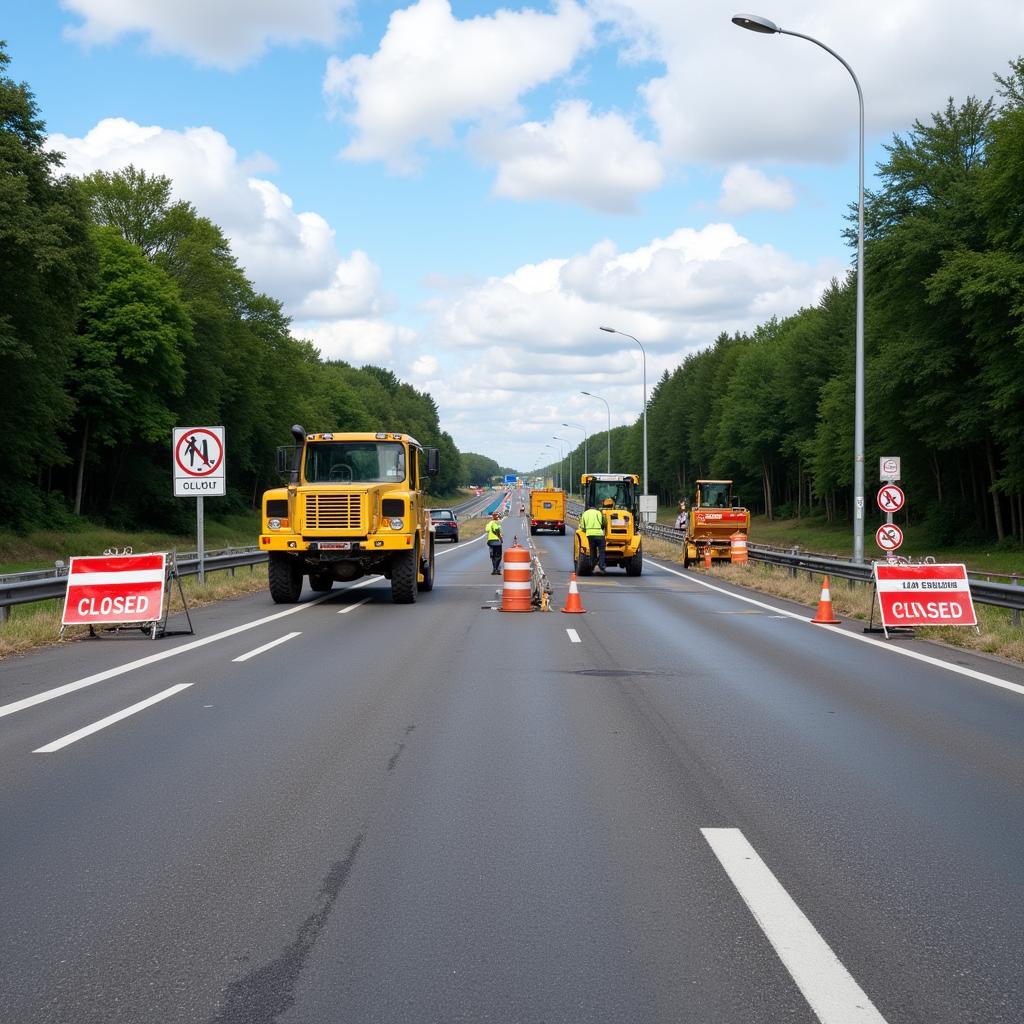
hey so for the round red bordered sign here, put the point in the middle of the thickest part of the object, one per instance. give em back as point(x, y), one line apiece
point(199, 452)
point(891, 498)
point(888, 536)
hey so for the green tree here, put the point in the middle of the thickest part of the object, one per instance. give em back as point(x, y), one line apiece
point(46, 262)
point(130, 355)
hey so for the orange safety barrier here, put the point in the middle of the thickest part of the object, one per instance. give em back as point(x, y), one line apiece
point(738, 549)
point(825, 616)
point(573, 605)
point(516, 584)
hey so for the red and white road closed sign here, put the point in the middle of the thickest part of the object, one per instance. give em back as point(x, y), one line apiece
point(924, 595)
point(115, 589)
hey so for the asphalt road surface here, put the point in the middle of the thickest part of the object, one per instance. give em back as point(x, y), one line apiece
point(681, 806)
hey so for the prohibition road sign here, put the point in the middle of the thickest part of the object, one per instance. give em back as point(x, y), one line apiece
point(888, 536)
point(891, 498)
point(198, 462)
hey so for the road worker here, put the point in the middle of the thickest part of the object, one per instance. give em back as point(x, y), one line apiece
point(592, 524)
point(681, 518)
point(494, 543)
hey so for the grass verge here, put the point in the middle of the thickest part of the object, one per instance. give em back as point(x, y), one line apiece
point(998, 634)
point(40, 548)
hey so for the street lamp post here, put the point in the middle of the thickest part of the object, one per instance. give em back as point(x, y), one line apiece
point(576, 426)
point(561, 459)
point(756, 23)
point(609, 408)
point(612, 330)
point(566, 441)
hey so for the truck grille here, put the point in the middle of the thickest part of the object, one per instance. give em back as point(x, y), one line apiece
point(334, 512)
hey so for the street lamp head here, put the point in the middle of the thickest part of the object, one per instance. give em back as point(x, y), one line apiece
point(755, 23)
point(610, 330)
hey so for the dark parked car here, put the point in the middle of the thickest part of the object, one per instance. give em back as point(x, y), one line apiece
point(444, 523)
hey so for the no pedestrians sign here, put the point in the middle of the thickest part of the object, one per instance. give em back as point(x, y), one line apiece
point(199, 462)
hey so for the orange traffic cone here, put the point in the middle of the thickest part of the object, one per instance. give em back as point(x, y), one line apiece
point(825, 616)
point(707, 557)
point(573, 604)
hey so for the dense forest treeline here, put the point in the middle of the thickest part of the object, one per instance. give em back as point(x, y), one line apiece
point(124, 314)
point(944, 353)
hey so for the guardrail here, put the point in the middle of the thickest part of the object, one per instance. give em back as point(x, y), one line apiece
point(984, 591)
point(53, 586)
point(50, 584)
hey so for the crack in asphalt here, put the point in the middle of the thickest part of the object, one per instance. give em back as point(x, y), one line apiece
point(262, 995)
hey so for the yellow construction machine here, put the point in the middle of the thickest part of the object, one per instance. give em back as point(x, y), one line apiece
point(617, 496)
point(714, 517)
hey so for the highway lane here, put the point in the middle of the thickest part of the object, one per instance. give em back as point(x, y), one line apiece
point(442, 813)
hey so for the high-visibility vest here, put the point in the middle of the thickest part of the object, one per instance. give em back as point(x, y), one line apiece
point(493, 530)
point(592, 522)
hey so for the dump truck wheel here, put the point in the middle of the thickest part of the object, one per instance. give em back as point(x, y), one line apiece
point(428, 572)
point(321, 582)
point(285, 574)
point(635, 565)
point(404, 569)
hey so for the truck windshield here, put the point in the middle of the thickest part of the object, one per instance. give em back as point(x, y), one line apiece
point(715, 496)
point(355, 462)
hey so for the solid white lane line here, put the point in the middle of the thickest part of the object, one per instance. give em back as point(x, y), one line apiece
point(110, 673)
point(983, 677)
point(825, 983)
point(574, 636)
point(74, 737)
point(349, 607)
point(266, 647)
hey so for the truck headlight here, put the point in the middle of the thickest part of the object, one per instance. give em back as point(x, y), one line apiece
point(396, 524)
point(273, 524)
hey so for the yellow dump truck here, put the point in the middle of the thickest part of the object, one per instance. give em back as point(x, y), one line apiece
point(353, 505)
point(617, 495)
point(547, 510)
point(713, 519)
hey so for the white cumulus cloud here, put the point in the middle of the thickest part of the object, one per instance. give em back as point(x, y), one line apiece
point(356, 341)
point(288, 254)
point(222, 33)
point(521, 340)
point(726, 94)
point(597, 161)
point(745, 188)
point(433, 71)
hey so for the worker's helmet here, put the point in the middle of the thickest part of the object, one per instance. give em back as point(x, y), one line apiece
point(608, 503)
point(494, 515)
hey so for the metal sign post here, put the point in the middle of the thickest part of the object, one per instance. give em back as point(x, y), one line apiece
point(198, 461)
point(201, 540)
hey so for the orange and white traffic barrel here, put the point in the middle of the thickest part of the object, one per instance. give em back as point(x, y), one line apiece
point(738, 549)
point(516, 583)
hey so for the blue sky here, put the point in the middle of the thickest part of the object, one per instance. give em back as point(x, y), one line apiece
point(463, 192)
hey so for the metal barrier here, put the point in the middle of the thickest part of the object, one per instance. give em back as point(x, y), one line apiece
point(53, 587)
point(984, 591)
point(47, 585)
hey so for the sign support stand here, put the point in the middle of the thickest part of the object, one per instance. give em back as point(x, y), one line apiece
point(201, 540)
point(172, 575)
